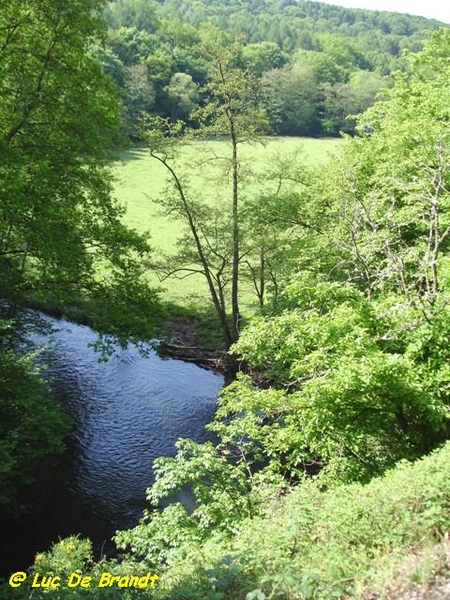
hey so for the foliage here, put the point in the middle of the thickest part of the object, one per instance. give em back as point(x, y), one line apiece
point(291, 97)
point(32, 430)
point(306, 491)
point(215, 485)
point(132, 13)
point(262, 57)
point(183, 95)
point(306, 544)
point(311, 544)
point(355, 395)
point(315, 52)
point(60, 223)
point(62, 238)
point(389, 200)
point(72, 554)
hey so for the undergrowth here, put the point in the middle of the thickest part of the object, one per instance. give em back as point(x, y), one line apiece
point(354, 541)
point(323, 545)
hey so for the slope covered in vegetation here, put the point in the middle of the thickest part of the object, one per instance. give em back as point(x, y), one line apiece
point(315, 63)
point(347, 542)
point(385, 539)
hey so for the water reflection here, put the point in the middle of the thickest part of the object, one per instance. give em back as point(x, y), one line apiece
point(127, 412)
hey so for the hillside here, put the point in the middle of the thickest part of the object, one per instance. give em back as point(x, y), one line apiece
point(315, 63)
point(289, 22)
point(386, 539)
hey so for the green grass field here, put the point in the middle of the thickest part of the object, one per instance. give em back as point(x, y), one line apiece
point(141, 180)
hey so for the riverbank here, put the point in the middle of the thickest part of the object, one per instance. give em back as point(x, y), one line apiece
point(386, 540)
point(191, 334)
point(126, 412)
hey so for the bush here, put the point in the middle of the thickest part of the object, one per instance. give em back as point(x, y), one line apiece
point(32, 429)
point(322, 545)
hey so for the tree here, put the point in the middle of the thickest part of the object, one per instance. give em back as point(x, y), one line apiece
point(274, 223)
point(132, 13)
point(232, 109)
point(139, 97)
point(183, 96)
point(393, 214)
point(206, 248)
point(62, 239)
point(132, 45)
point(262, 57)
point(290, 98)
point(343, 101)
point(58, 117)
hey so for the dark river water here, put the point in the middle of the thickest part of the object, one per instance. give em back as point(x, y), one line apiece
point(126, 412)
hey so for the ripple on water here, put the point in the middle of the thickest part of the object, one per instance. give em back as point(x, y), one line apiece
point(127, 411)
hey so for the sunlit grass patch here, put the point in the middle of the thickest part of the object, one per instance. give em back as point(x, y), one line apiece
point(141, 181)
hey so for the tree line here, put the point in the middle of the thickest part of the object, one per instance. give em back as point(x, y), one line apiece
point(317, 64)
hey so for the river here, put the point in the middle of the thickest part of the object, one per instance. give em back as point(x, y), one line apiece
point(126, 412)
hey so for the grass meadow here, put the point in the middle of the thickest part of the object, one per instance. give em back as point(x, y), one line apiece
point(141, 181)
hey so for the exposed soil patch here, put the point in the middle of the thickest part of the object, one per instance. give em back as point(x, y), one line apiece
point(181, 340)
point(181, 330)
point(418, 592)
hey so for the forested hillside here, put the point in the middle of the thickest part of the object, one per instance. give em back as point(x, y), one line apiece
point(316, 64)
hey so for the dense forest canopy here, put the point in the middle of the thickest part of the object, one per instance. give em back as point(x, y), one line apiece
point(317, 63)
